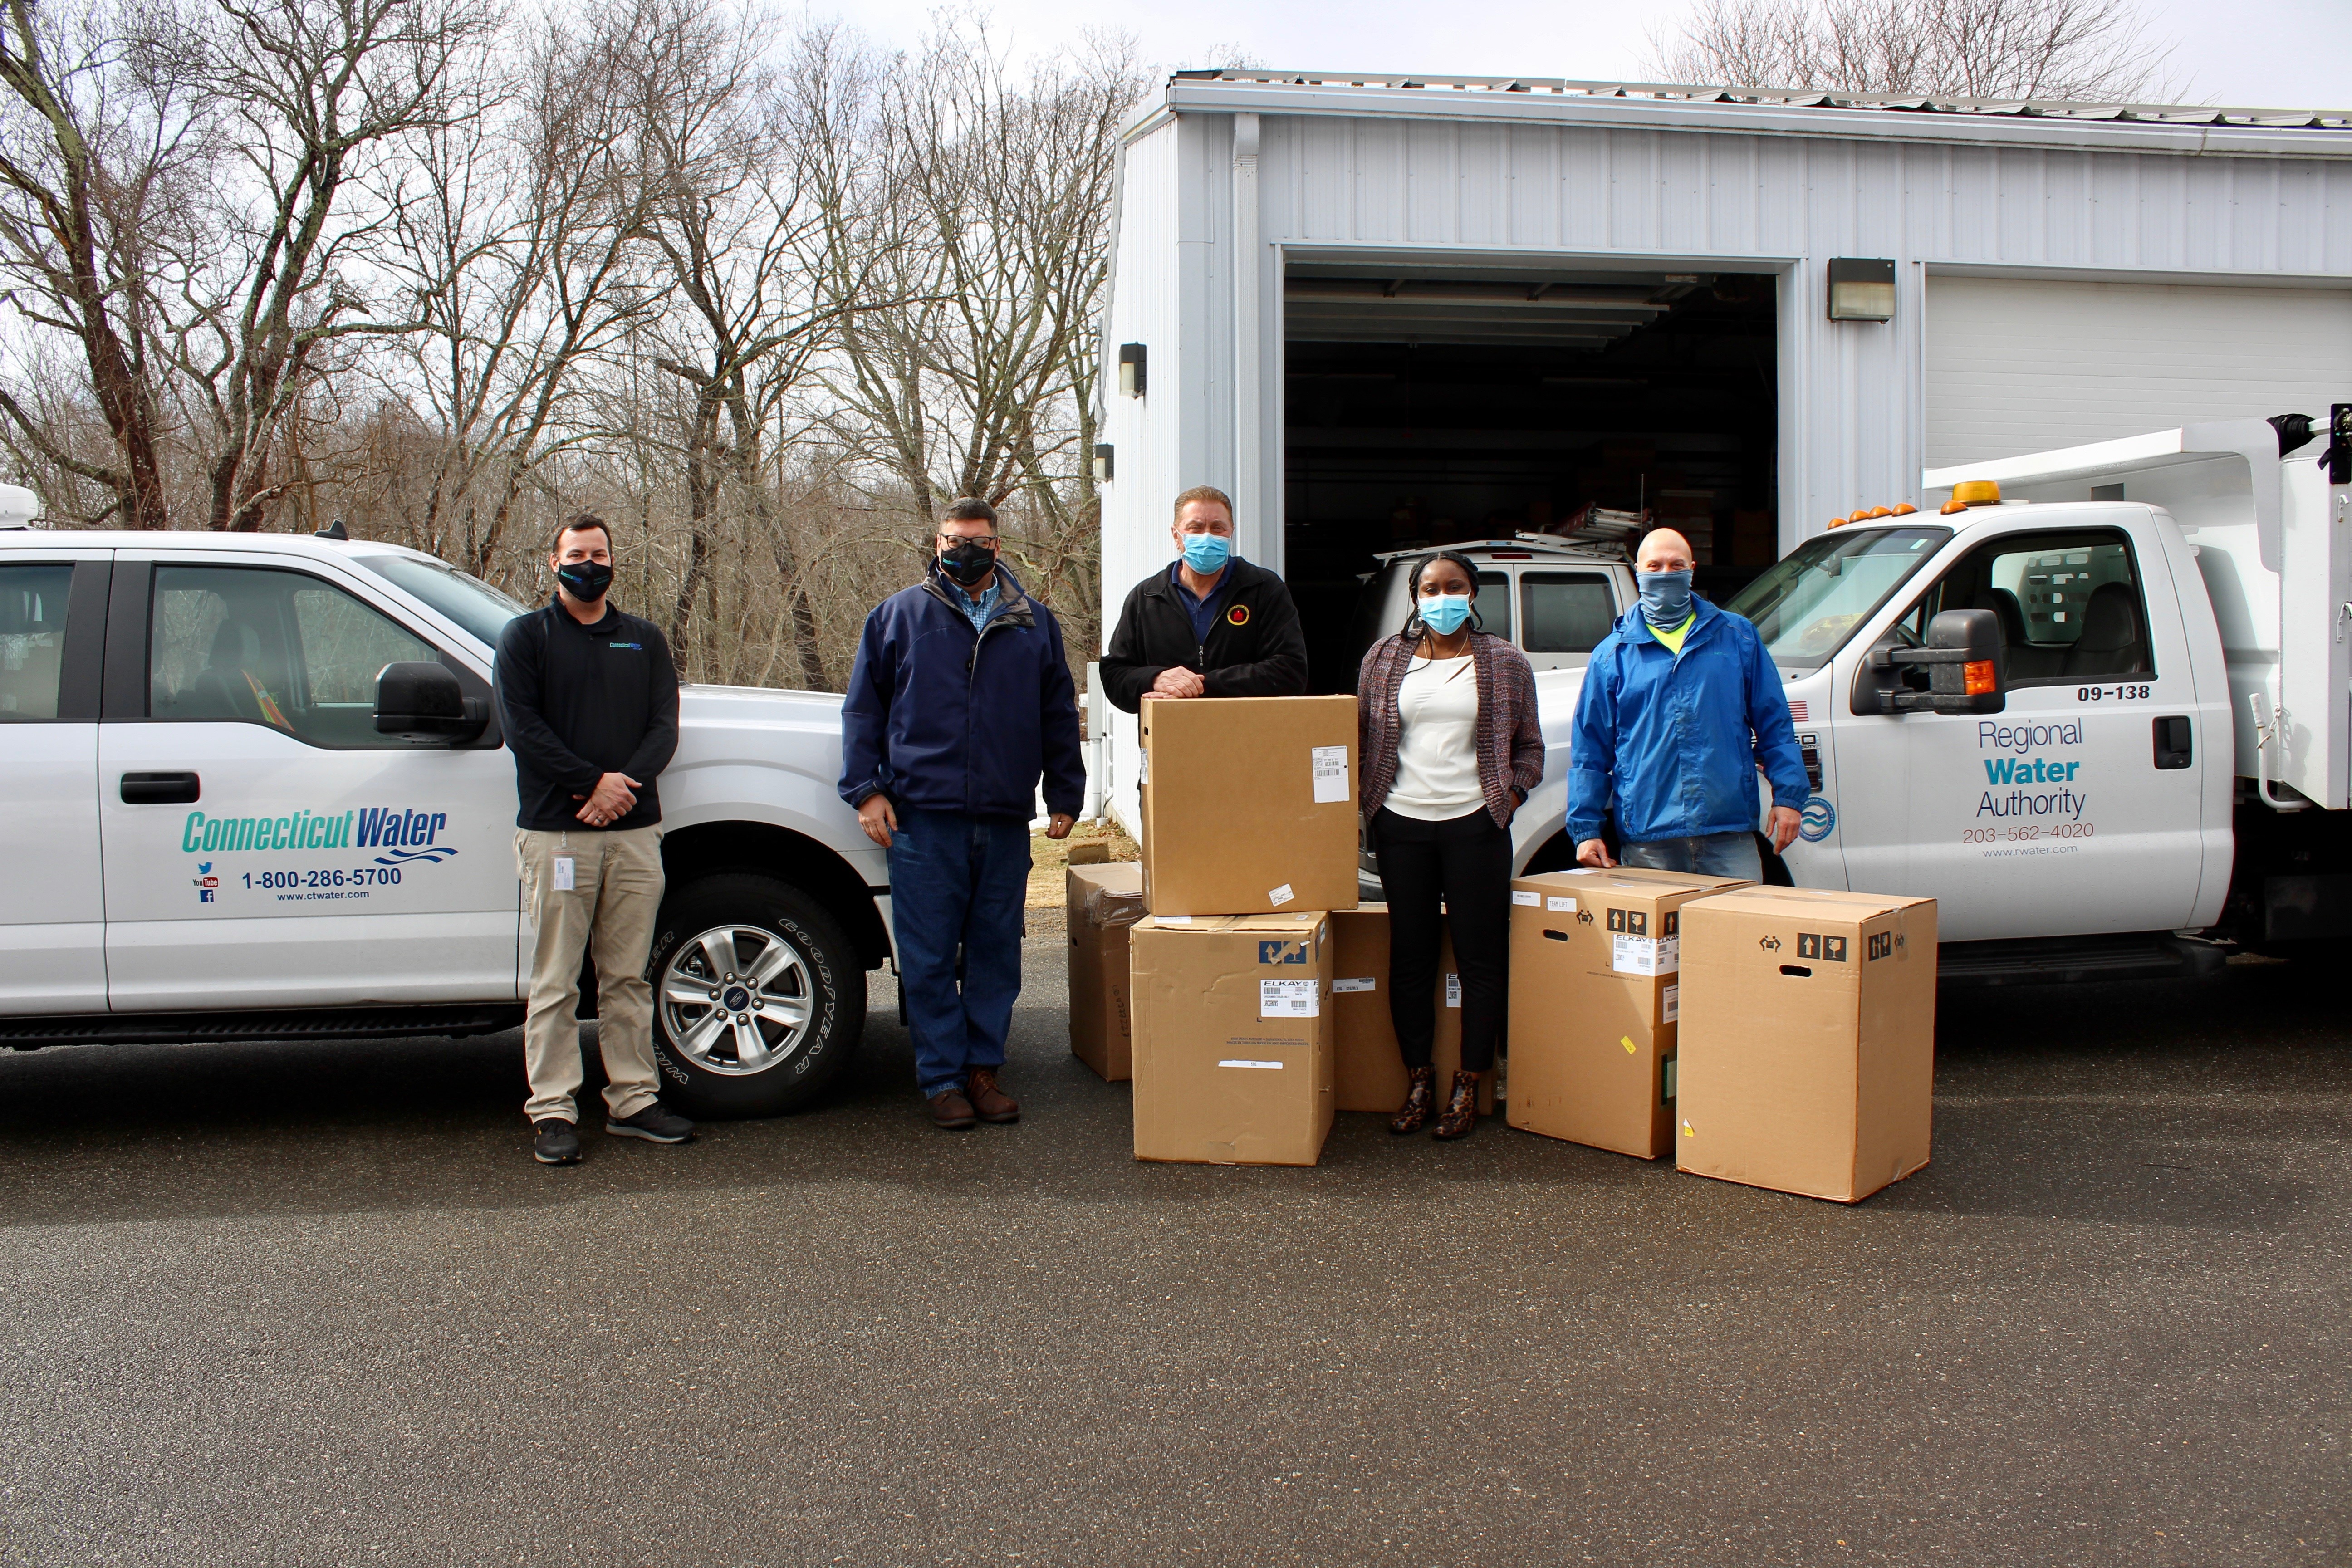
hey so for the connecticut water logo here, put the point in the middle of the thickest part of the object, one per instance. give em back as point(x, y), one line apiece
point(1817, 821)
point(401, 836)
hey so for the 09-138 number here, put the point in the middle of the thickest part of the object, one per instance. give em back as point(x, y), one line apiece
point(2113, 693)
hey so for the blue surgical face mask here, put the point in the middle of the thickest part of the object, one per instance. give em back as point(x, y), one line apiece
point(1665, 597)
point(1444, 613)
point(1207, 553)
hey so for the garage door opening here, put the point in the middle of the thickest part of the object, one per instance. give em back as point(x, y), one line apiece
point(1430, 407)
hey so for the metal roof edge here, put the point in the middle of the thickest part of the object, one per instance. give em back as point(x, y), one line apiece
point(1823, 121)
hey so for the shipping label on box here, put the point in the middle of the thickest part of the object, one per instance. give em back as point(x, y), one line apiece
point(1249, 804)
point(1595, 1004)
point(1807, 1039)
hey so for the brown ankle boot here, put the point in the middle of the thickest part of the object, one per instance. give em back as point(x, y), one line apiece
point(1461, 1113)
point(1420, 1099)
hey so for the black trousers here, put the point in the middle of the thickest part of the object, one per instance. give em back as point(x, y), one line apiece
point(1466, 862)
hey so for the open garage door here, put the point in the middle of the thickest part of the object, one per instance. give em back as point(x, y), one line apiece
point(2023, 365)
point(1429, 405)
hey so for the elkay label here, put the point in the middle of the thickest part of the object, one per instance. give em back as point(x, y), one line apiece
point(1288, 998)
point(1644, 954)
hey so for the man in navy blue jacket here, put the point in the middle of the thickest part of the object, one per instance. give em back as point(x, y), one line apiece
point(960, 699)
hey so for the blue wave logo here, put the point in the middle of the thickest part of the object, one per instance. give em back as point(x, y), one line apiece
point(432, 856)
point(1817, 821)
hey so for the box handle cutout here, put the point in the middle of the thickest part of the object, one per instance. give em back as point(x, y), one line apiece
point(1796, 969)
point(1555, 935)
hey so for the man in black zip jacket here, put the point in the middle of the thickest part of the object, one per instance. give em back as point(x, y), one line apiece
point(589, 699)
point(1212, 624)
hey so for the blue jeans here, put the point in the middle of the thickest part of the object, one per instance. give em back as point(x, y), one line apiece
point(1711, 855)
point(958, 880)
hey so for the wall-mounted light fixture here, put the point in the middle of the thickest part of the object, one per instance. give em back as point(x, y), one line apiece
point(1102, 464)
point(1131, 370)
point(1862, 290)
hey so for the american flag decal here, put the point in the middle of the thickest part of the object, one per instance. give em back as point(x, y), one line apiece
point(1796, 713)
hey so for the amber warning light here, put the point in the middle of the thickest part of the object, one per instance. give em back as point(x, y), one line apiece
point(1977, 674)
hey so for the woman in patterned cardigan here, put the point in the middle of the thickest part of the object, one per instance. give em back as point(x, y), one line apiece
point(1446, 729)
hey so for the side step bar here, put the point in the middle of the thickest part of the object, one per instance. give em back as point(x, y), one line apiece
point(295, 1024)
point(2068, 961)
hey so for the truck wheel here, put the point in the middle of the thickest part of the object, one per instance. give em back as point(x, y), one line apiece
point(758, 999)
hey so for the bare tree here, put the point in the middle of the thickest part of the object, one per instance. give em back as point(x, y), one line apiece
point(977, 379)
point(1997, 50)
point(525, 248)
point(89, 173)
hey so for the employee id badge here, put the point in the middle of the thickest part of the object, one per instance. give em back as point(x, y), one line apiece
point(566, 867)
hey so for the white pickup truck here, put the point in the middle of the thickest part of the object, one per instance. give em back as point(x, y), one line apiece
point(213, 830)
point(2159, 762)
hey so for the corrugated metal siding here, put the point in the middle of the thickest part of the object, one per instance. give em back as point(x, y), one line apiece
point(1771, 201)
point(1142, 432)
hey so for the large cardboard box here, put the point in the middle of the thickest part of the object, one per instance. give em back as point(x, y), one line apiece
point(1370, 1071)
point(1808, 1039)
point(1233, 1037)
point(1594, 989)
point(1249, 804)
point(1102, 902)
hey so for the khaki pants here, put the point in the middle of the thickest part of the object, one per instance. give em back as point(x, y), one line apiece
point(615, 894)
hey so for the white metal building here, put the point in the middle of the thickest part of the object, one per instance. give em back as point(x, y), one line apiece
point(1383, 311)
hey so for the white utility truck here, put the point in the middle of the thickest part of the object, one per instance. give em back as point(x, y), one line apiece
point(2140, 750)
point(2139, 746)
point(253, 788)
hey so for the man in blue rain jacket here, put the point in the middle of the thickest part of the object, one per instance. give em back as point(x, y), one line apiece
point(959, 701)
point(1681, 705)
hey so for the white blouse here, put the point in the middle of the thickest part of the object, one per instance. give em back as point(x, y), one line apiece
point(1437, 741)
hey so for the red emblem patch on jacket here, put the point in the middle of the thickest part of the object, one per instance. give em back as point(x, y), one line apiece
point(1238, 614)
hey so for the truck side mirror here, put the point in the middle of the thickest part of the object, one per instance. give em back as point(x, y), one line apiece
point(1964, 663)
point(422, 700)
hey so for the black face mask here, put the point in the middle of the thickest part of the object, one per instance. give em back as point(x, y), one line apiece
point(585, 580)
point(967, 562)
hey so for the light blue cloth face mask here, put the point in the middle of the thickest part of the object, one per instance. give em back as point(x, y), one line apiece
point(1444, 613)
point(1207, 553)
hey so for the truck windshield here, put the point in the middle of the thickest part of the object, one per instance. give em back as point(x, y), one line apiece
point(1808, 604)
point(469, 600)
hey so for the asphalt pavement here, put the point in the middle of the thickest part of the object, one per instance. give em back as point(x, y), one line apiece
point(315, 1304)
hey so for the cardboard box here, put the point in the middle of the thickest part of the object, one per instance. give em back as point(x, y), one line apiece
point(1367, 1073)
point(1249, 804)
point(1370, 1071)
point(1102, 901)
point(1808, 1039)
point(1233, 1037)
point(1594, 993)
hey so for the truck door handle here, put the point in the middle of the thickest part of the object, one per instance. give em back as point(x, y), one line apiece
point(2172, 742)
point(161, 789)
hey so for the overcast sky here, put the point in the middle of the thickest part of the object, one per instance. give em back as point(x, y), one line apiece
point(2282, 54)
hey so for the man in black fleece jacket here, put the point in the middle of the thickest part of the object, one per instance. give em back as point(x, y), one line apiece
point(1209, 623)
point(589, 698)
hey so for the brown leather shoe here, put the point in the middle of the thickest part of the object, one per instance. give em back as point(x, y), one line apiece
point(1461, 1115)
point(991, 1102)
point(1420, 1099)
point(952, 1110)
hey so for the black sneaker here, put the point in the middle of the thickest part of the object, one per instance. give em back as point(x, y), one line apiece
point(654, 1124)
point(557, 1142)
